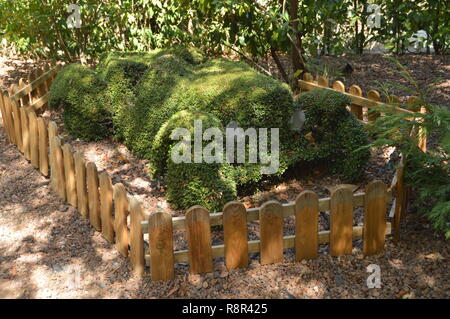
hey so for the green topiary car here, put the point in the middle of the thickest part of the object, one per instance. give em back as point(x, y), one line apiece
point(147, 95)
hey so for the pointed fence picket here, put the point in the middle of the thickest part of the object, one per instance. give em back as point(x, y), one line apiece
point(93, 195)
point(106, 206)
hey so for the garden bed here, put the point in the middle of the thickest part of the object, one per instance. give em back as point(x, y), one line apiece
point(77, 181)
point(281, 192)
point(43, 239)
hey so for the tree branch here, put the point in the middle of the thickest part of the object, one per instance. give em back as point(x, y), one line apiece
point(279, 65)
point(250, 60)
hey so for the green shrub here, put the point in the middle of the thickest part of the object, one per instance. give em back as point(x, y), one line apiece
point(337, 133)
point(183, 119)
point(188, 184)
point(78, 91)
point(211, 186)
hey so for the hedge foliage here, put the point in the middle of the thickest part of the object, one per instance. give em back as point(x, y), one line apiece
point(148, 95)
point(338, 134)
point(79, 92)
point(210, 185)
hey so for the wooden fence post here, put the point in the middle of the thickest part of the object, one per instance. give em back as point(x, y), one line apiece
point(81, 185)
point(271, 233)
point(354, 108)
point(25, 100)
point(393, 99)
point(120, 218)
point(137, 255)
point(9, 116)
point(93, 195)
point(323, 81)
point(43, 146)
point(32, 95)
point(38, 90)
point(339, 86)
point(14, 117)
point(341, 215)
point(306, 226)
point(69, 175)
point(46, 84)
point(422, 137)
point(60, 183)
point(399, 195)
point(34, 139)
point(25, 133)
point(49, 81)
point(372, 115)
point(198, 232)
point(106, 206)
point(52, 132)
point(235, 235)
point(160, 232)
point(413, 103)
point(307, 77)
point(5, 117)
point(17, 125)
point(374, 231)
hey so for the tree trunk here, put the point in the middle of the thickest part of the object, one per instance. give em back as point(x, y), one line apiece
point(362, 36)
point(437, 45)
point(296, 45)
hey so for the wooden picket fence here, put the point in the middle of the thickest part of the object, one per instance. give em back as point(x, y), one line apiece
point(236, 248)
point(109, 206)
point(363, 107)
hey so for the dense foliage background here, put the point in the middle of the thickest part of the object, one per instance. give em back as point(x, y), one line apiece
point(253, 28)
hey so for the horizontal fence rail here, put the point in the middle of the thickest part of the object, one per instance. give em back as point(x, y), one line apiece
point(218, 251)
point(216, 219)
point(365, 105)
point(122, 221)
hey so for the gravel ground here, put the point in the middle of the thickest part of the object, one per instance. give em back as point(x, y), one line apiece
point(47, 250)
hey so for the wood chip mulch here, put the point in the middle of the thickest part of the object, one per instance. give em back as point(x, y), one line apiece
point(47, 250)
